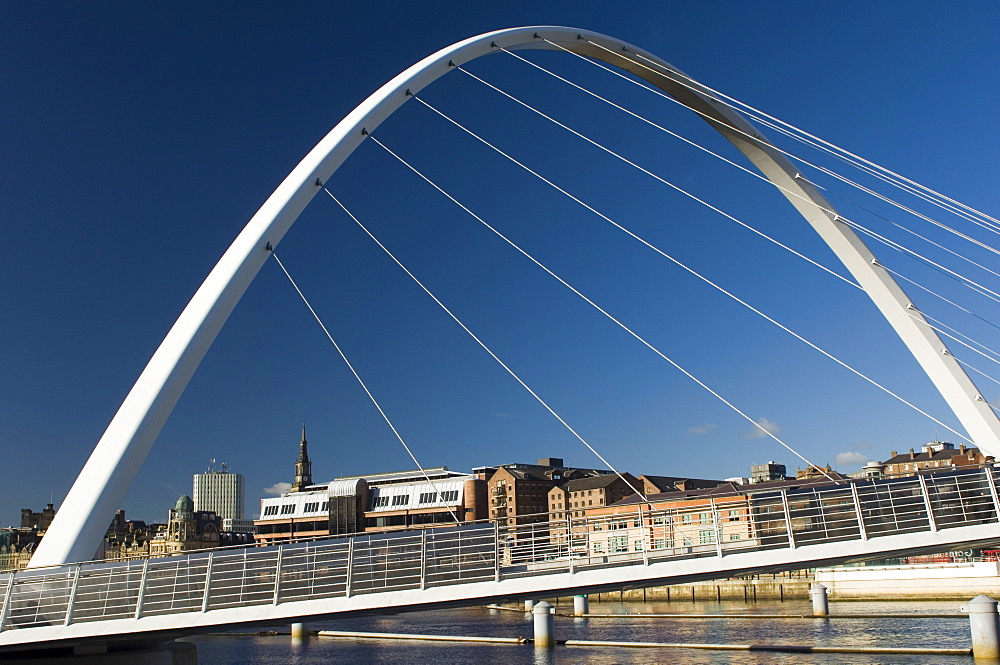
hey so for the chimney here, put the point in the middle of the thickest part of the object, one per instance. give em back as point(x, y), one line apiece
point(961, 448)
point(892, 453)
point(912, 454)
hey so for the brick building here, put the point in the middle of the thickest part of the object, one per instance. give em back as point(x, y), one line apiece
point(935, 455)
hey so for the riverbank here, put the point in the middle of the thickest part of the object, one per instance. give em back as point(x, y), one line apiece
point(793, 586)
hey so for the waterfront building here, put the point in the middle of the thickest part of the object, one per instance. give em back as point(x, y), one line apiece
point(575, 497)
point(186, 530)
point(660, 484)
point(373, 502)
point(519, 492)
point(224, 493)
point(688, 522)
point(369, 502)
point(935, 455)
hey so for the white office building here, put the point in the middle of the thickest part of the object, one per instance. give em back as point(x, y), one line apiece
point(224, 493)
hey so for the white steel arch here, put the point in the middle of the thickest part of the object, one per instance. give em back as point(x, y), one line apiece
point(77, 529)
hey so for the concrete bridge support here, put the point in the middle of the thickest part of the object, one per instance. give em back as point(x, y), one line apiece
point(820, 600)
point(544, 624)
point(985, 625)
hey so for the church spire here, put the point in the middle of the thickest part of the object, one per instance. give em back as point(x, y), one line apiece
point(303, 466)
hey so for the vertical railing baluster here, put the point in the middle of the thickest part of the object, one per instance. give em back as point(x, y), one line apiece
point(788, 519)
point(569, 542)
point(644, 542)
point(423, 559)
point(496, 551)
point(6, 600)
point(857, 509)
point(991, 481)
point(140, 594)
point(927, 502)
point(350, 566)
point(72, 595)
point(208, 583)
point(277, 574)
point(716, 526)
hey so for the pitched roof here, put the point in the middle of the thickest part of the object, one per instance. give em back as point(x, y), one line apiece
point(596, 482)
point(935, 455)
point(672, 483)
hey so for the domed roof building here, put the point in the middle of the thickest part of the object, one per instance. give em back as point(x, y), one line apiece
point(187, 529)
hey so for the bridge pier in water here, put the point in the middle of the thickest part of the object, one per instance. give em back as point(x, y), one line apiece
point(820, 600)
point(544, 626)
point(984, 622)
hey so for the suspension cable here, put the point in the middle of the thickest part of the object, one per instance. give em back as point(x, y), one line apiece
point(669, 257)
point(360, 381)
point(859, 162)
point(614, 320)
point(750, 172)
point(703, 202)
point(763, 120)
point(478, 340)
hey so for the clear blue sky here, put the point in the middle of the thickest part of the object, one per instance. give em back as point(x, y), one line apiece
point(138, 138)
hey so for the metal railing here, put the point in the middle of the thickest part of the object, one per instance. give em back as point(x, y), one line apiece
point(492, 551)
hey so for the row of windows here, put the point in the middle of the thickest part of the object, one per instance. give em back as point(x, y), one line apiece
point(289, 508)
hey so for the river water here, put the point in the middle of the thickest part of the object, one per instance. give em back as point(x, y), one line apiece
point(866, 630)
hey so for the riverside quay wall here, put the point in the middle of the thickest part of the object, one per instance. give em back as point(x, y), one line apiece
point(923, 581)
point(790, 586)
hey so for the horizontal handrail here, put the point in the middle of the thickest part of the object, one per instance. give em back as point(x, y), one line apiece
point(771, 518)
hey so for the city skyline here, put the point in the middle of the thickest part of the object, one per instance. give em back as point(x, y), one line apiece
point(139, 145)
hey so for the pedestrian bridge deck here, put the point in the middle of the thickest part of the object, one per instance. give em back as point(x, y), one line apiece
point(779, 529)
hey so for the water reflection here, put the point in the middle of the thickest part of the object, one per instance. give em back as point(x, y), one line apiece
point(864, 629)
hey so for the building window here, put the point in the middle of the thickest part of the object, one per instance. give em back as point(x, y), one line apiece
point(401, 500)
point(618, 544)
point(706, 537)
point(270, 510)
point(659, 543)
point(450, 495)
point(734, 536)
point(686, 518)
point(380, 502)
point(288, 509)
point(428, 497)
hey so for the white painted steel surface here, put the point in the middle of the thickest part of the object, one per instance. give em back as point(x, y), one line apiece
point(82, 519)
point(484, 562)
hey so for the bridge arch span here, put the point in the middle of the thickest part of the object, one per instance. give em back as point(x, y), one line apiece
point(98, 491)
